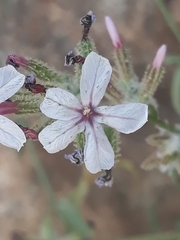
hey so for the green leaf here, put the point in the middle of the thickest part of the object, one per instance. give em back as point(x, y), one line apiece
point(152, 112)
point(47, 232)
point(172, 59)
point(72, 219)
point(175, 91)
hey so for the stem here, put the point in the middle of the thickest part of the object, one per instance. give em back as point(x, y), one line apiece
point(167, 16)
point(162, 124)
point(159, 236)
point(42, 175)
point(64, 209)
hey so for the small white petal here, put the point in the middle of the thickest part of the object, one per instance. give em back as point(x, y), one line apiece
point(98, 153)
point(10, 82)
point(96, 73)
point(59, 135)
point(60, 104)
point(125, 118)
point(10, 134)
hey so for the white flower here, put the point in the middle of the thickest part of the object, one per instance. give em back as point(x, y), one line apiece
point(169, 168)
point(74, 116)
point(10, 82)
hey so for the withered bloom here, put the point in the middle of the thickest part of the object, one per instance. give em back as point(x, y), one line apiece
point(77, 157)
point(30, 84)
point(87, 21)
point(71, 59)
point(105, 179)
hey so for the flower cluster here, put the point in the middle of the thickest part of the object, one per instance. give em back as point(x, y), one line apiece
point(75, 103)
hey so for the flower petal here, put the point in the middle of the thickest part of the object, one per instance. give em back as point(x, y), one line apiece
point(60, 104)
point(10, 82)
point(10, 134)
point(125, 118)
point(59, 135)
point(98, 153)
point(96, 73)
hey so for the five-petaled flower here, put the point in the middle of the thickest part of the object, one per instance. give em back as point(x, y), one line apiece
point(10, 82)
point(74, 116)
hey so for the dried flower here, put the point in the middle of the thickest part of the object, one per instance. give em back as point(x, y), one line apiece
point(10, 82)
point(30, 79)
point(105, 179)
point(30, 84)
point(77, 157)
point(87, 21)
point(71, 59)
point(37, 88)
point(113, 33)
point(74, 116)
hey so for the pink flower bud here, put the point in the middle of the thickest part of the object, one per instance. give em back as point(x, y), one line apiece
point(29, 133)
point(17, 61)
point(113, 33)
point(159, 58)
point(8, 108)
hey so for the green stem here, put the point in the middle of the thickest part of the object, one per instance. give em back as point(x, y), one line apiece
point(162, 124)
point(170, 21)
point(64, 209)
point(159, 236)
point(42, 175)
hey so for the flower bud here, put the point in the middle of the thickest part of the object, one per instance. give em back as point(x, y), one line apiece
point(159, 58)
point(29, 133)
point(113, 33)
point(17, 61)
point(8, 107)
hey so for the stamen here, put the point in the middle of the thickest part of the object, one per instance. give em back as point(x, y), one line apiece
point(86, 111)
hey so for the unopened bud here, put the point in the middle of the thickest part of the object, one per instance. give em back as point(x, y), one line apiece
point(159, 58)
point(17, 61)
point(8, 107)
point(29, 133)
point(113, 33)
